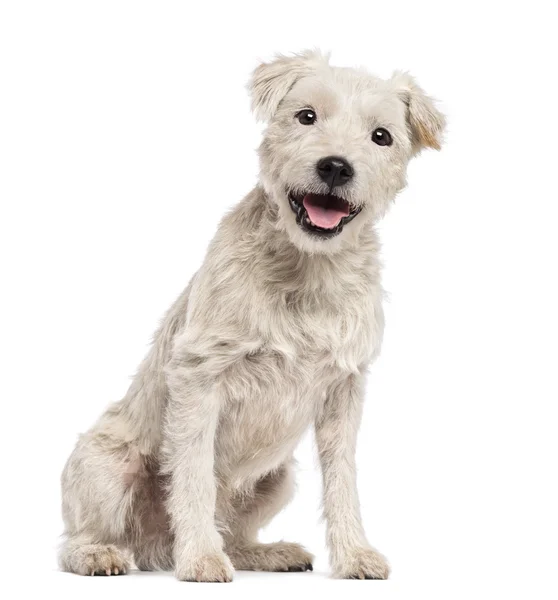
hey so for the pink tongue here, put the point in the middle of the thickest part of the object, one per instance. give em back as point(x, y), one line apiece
point(327, 218)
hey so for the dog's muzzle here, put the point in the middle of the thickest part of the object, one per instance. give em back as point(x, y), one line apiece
point(322, 215)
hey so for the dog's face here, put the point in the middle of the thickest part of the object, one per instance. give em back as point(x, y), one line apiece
point(336, 148)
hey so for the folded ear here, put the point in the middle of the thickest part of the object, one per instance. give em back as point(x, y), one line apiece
point(272, 81)
point(426, 122)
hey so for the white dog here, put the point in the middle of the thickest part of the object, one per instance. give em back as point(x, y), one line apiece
point(273, 334)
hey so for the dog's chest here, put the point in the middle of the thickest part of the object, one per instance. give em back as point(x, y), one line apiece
point(274, 393)
point(340, 331)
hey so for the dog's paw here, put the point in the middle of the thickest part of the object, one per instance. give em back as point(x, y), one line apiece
point(211, 568)
point(97, 559)
point(280, 556)
point(362, 563)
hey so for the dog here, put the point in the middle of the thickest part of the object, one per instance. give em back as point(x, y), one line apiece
point(272, 335)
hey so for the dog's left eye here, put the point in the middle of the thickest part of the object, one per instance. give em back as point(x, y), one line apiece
point(306, 116)
point(382, 137)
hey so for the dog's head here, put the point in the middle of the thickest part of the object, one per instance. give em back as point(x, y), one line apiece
point(337, 144)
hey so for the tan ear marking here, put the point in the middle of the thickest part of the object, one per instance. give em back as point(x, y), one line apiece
point(426, 122)
point(427, 136)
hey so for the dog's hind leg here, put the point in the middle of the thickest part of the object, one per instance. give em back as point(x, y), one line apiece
point(100, 483)
point(253, 511)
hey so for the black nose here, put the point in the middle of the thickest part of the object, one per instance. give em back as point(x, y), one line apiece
point(334, 170)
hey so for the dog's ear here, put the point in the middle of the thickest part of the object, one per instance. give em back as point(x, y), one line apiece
point(272, 81)
point(426, 122)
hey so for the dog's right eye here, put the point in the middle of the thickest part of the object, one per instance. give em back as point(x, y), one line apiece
point(306, 116)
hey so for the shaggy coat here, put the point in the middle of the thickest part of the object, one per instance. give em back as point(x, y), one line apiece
point(273, 334)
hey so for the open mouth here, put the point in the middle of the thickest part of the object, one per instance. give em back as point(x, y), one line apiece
point(324, 215)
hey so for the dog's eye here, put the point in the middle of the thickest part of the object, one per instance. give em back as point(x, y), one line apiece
point(306, 116)
point(382, 137)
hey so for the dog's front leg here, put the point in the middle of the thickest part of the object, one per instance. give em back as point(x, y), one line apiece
point(336, 430)
point(191, 421)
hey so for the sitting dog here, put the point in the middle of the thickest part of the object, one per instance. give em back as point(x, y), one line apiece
point(273, 334)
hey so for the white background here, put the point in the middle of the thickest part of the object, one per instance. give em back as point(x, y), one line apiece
point(125, 133)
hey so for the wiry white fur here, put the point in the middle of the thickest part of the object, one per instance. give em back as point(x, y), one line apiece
point(273, 334)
